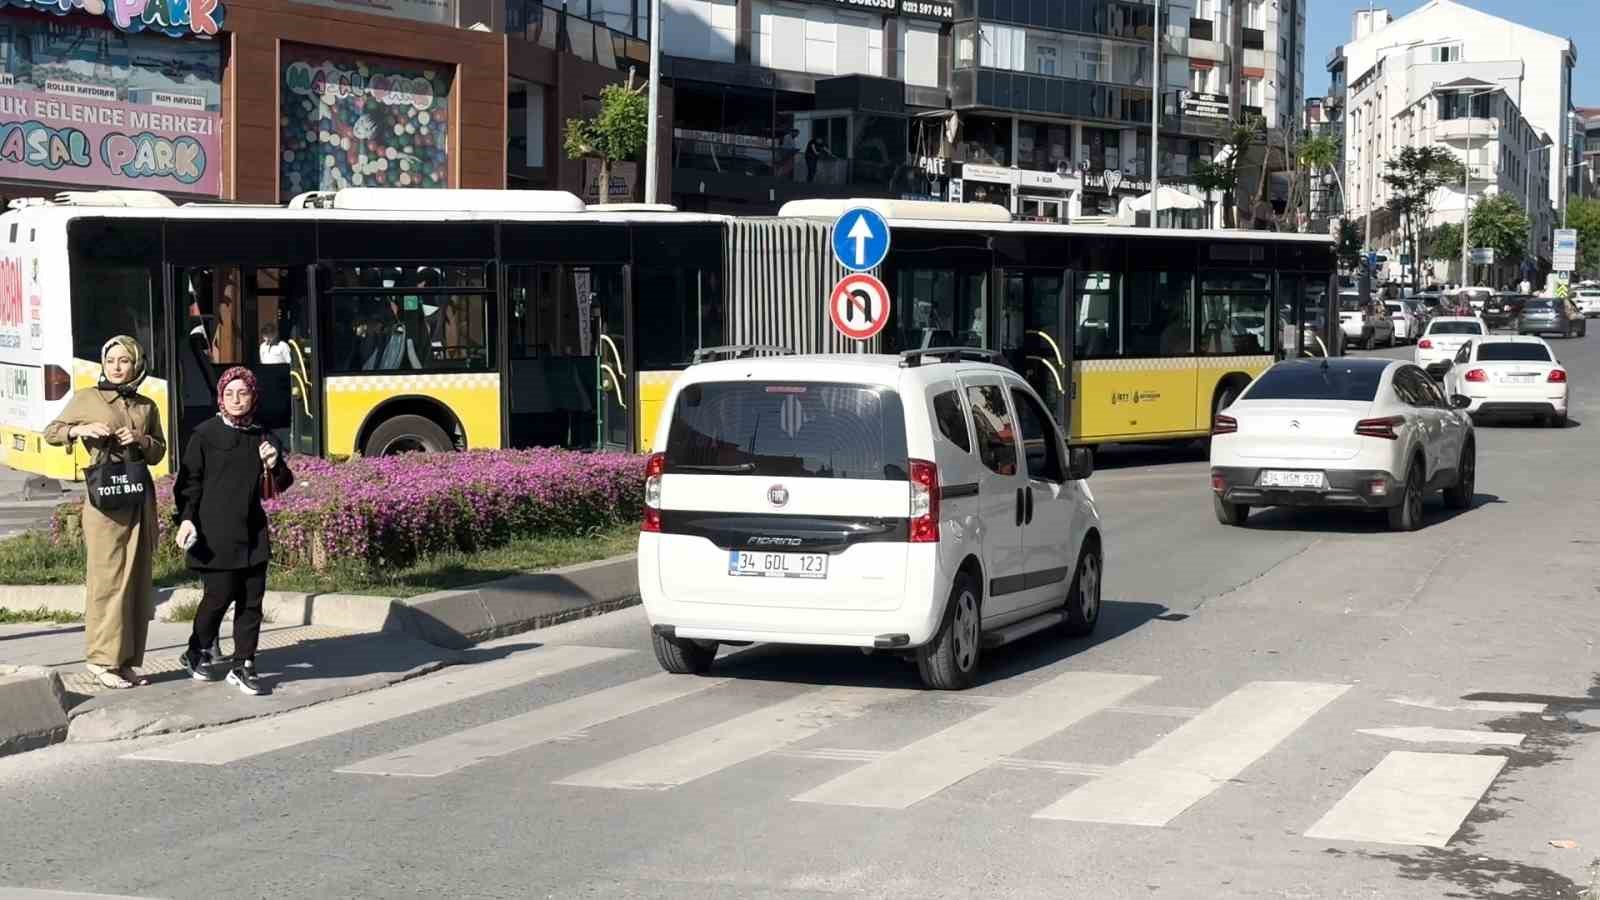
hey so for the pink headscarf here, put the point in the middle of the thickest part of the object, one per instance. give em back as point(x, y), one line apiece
point(237, 373)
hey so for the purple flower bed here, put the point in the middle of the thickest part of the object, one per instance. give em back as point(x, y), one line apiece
point(392, 510)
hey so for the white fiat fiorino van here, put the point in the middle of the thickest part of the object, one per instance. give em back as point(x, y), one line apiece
point(922, 504)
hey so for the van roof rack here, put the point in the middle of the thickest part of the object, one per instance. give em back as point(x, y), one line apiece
point(736, 351)
point(911, 359)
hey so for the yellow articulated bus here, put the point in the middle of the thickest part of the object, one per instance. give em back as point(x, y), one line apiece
point(1132, 334)
point(376, 321)
point(382, 321)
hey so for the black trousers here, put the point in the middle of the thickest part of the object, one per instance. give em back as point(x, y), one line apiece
point(221, 590)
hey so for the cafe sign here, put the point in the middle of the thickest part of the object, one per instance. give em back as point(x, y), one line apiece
point(173, 18)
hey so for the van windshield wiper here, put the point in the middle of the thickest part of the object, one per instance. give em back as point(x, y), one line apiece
point(733, 469)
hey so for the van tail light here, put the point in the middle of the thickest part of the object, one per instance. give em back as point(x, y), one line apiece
point(924, 502)
point(1381, 428)
point(1224, 425)
point(57, 382)
point(652, 493)
point(1557, 376)
point(1477, 375)
point(1424, 344)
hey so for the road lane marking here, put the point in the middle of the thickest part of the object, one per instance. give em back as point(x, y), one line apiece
point(925, 767)
point(567, 718)
point(1156, 785)
point(1426, 735)
point(1497, 706)
point(1410, 798)
point(311, 723)
point(35, 894)
point(737, 740)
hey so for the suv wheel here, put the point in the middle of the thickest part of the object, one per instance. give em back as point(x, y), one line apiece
point(1408, 515)
point(949, 662)
point(1083, 597)
point(681, 656)
point(1460, 494)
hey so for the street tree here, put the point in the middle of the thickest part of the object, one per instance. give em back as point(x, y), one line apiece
point(1323, 154)
point(617, 132)
point(1349, 245)
point(1414, 176)
point(1442, 242)
point(1584, 217)
point(1222, 173)
point(1498, 222)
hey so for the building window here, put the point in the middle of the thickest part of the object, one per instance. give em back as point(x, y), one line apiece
point(1255, 14)
point(921, 47)
point(1254, 93)
point(1447, 53)
point(391, 131)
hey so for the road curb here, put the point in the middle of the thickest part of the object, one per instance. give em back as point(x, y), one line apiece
point(33, 709)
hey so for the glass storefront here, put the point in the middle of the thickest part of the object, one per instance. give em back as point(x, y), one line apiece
point(351, 120)
point(84, 103)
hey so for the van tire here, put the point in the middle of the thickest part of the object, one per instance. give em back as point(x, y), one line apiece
point(1407, 516)
point(1233, 514)
point(949, 662)
point(403, 434)
point(681, 656)
point(1083, 612)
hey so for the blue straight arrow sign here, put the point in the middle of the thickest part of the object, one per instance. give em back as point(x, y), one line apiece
point(860, 239)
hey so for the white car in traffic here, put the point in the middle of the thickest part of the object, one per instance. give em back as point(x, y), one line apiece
point(924, 505)
point(1510, 375)
point(1357, 433)
point(1443, 338)
point(1588, 300)
point(1364, 325)
point(1405, 318)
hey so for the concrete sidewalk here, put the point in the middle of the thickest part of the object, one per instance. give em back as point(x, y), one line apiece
point(315, 648)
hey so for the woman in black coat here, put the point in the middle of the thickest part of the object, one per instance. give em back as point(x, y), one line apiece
point(223, 527)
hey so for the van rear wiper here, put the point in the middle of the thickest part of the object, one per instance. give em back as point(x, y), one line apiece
point(732, 469)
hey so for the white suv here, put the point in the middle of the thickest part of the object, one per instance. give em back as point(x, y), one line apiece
point(922, 504)
point(1588, 300)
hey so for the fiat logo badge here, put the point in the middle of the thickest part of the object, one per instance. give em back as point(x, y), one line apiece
point(778, 496)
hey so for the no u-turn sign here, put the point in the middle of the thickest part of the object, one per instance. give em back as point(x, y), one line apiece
point(859, 306)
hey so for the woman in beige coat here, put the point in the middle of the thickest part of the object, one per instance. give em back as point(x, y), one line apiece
point(113, 418)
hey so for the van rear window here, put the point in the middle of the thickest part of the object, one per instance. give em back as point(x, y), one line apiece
point(789, 430)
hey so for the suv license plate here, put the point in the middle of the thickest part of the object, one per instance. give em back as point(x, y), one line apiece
point(1277, 478)
point(777, 565)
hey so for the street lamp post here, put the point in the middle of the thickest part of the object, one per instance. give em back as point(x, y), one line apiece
point(1466, 192)
point(652, 128)
point(1155, 116)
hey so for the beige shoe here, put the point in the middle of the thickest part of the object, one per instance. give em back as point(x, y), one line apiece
point(108, 677)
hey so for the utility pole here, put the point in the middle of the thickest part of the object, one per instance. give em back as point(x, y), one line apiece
point(1155, 117)
point(652, 128)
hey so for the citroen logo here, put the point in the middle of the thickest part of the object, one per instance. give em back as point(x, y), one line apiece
point(778, 496)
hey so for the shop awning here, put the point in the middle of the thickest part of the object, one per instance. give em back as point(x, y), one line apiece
point(1166, 198)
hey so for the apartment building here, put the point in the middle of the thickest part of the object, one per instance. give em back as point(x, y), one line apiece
point(1450, 74)
point(1044, 108)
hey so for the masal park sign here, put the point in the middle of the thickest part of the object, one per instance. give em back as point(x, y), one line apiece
point(174, 18)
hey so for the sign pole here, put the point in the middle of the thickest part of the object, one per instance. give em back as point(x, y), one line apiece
point(652, 126)
point(1155, 116)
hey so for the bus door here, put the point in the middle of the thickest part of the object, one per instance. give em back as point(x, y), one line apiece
point(1036, 337)
point(258, 317)
point(610, 312)
point(569, 376)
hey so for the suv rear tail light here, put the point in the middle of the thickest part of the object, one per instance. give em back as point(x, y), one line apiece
point(924, 502)
point(1224, 425)
point(652, 492)
point(57, 382)
point(1477, 375)
point(1424, 344)
point(1557, 376)
point(1381, 428)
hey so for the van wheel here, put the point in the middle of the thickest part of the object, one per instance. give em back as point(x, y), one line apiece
point(949, 662)
point(681, 656)
point(407, 434)
point(1083, 597)
point(1235, 514)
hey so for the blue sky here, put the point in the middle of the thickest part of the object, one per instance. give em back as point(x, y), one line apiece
point(1328, 25)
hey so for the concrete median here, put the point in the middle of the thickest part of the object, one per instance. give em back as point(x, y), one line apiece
point(33, 709)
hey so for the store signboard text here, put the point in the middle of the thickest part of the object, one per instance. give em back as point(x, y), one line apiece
point(117, 145)
point(174, 18)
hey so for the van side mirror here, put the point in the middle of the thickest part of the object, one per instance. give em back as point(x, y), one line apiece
point(1080, 463)
point(1460, 401)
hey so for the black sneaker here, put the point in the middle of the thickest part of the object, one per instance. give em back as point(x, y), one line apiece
point(198, 666)
point(243, 677)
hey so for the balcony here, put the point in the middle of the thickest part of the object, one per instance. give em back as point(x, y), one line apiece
point(1476, 128)
point(587, 38)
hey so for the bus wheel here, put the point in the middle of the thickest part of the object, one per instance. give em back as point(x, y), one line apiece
point(407, 434)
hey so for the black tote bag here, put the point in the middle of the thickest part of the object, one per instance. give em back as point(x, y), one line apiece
point(114, 485)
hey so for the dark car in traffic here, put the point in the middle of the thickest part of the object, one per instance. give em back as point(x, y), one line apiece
point(1502, 310)
point(1548, 315)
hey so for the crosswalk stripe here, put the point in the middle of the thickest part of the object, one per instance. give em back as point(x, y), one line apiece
point(1410, 798)
point(347, 714)
point(569, 717)
point(925, 767)
point(1159, 783)
point(735, 741)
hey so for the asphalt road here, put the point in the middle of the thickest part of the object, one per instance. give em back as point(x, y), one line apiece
point(1214, 739)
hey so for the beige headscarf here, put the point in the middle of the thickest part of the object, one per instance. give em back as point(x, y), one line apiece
point(131, 386)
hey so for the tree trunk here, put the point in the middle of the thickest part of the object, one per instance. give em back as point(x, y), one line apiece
point(605, 180)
